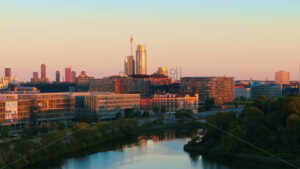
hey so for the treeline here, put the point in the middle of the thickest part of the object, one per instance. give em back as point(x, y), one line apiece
point(23, 152)
point(270, 124)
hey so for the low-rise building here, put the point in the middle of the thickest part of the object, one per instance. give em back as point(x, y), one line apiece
point(107, 105)
point(269, 90)
point(174, 102)
point(241, 92)
point(14, 113)
point(49, 107)
point(117, 84)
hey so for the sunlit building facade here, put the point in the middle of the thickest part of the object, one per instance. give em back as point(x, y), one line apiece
point(68, 74)
point(141, 60)
point(174, 102)
point(282, 77)
point(221, 89)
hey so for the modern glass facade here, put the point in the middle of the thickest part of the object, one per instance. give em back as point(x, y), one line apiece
point(141, 60)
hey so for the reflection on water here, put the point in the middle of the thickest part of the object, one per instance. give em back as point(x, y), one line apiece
point(151, 151)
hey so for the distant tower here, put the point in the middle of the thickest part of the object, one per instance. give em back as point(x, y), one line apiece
point(7, 72)
point(282, 77)
point(68, 74)
point(43, 71)
point(57, 76)
point(129, 65)
point(141, 60)
point(73, 76)
point(35, 75)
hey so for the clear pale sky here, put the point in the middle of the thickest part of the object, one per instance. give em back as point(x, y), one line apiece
point(237, 38)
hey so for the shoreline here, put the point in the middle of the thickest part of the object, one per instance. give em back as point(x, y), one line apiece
point(262, 160)
point(111, 140)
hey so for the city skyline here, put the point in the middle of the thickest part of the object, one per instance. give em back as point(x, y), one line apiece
point(232, 38)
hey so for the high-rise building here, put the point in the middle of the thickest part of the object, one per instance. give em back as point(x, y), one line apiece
point(68, 74)
point(221, 89)
point(282, 77)
point(73, 76)
point(129, 66)
point(35, 75)
point(141, 60)
point(43, 71)
point(57, 76)
point(8, 72)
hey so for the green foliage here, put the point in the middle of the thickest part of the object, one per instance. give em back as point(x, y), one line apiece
point(59, 142)
point(271, 124)
point(209, 103)
point(4, 133)
point(184, 114)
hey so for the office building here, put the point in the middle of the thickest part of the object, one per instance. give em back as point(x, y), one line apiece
point(121, 85)
point(282, 77)
point(141, 60)
point(51, 107)
point(35, 75)
point(73, 76)
point(221, 89)
point(43, 71)
point(269, 90)
point(242, 92)
point(68, 74)
point(175, 102)
point(7, 72)
point(108, 105)
point(83, 82)
point(129, 66)
point(57, 76)
point(14, 112)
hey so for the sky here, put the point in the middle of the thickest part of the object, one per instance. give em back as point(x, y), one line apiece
point(243, 39)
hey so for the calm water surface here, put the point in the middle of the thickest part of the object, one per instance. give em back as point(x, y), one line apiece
point(150, 153)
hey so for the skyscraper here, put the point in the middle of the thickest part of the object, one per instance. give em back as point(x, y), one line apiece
point(129, 66)
point(43, 71)
point(141, 60)
point(73, 76)
point(282, 77)
point(57, 76)
point(35, 75)
point(7, 72)
point(68, 74)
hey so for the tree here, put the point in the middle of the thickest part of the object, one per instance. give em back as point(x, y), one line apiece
point(184, 114)
point(4, 133)
point(209, 103)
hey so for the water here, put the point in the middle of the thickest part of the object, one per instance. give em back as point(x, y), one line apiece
point(150, 153)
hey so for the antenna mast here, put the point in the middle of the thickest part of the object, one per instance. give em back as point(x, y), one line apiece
point(131, 43)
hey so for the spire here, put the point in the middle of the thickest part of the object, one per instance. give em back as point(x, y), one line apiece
point(131, 43)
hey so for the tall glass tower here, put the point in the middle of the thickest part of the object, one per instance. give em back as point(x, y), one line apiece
point(141, 60)
point(129, 68)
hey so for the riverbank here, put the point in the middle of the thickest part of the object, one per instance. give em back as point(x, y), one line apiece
point(258, 159)
point(57, 144)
